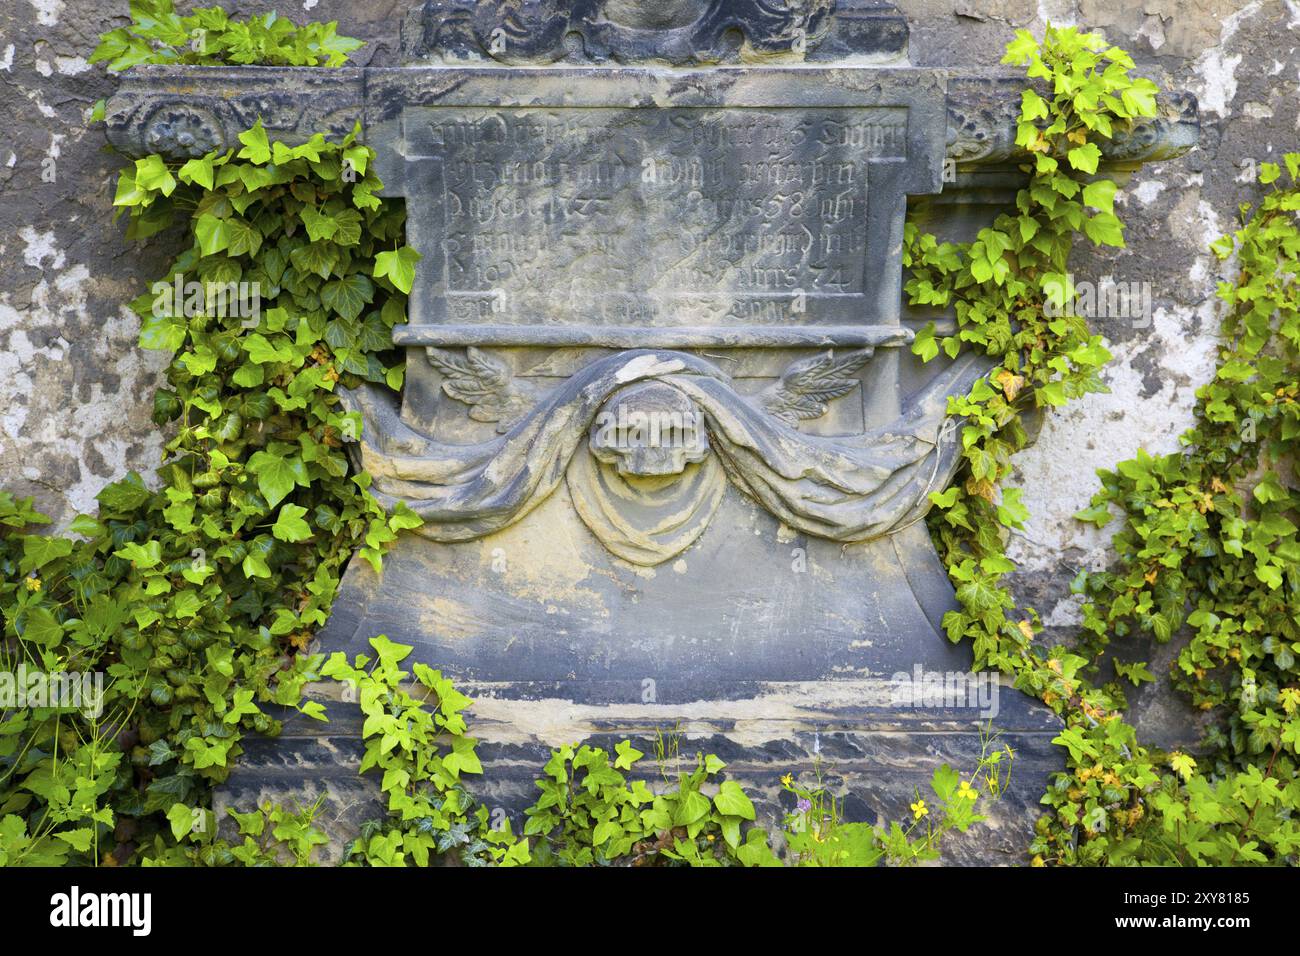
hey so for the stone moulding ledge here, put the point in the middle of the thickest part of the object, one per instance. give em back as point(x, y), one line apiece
point(635, 337)
point(763, 712)
point(186, 111)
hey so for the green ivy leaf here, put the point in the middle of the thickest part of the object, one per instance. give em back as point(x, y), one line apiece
point(213, 234)
point(41, 628)
point(1085, 158)
point(732, 801)
point(277, 475)
point(349, 295)
point(398, 266)
point(40, 550)
point(289, 526)
point(256, 148)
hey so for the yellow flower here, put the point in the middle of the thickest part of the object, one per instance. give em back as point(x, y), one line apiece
point(919, 809)
point(787, 780)
point(33, 583)
point(966, 791)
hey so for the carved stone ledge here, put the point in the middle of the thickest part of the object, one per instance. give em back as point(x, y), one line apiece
point(983, 112)
point(1172, 132)
point(182, 112)
point(676, 337)
point(185, 111)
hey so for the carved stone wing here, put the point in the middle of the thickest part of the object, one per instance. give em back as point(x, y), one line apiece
point(486, 384)
point(806, 386)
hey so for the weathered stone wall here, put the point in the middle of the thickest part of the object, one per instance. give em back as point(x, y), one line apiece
point(75, 391)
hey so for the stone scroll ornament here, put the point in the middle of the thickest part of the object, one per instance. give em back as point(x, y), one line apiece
point(674, 31)
point(648, 501)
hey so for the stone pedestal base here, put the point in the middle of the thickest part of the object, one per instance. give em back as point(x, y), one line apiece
point(875, 771)
point(778, 653)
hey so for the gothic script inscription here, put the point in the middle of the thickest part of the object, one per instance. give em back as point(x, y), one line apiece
point(654, 216)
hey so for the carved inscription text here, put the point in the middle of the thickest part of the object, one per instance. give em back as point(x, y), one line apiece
point(669, 216)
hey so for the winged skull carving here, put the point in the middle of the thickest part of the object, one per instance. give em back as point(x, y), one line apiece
point(806, 386)
point(486, 384)
point(493, 393)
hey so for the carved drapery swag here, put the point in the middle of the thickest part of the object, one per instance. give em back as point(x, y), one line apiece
point(843, 488)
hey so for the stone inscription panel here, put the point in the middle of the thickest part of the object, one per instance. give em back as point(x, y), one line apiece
point(672, 216)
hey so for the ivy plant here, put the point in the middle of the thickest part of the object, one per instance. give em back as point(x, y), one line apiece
point(1207, 545)
point(209, 37)
point(196, 594)
point(1203, 545)
point(420, 747)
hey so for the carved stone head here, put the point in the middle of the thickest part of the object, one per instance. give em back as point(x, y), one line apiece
point(649, 430)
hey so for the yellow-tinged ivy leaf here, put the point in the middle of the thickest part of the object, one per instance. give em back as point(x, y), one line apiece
point(1010, 383)
point(128, 192)
point(626, 755)
point(1140, 98)
point(1032, 106)
point(924, 344)
point(181, 819)
point(731, 801)
point(198, 171)
point(1022, 49)
point(152, 175)
point(1104, 229)
point(462, 758)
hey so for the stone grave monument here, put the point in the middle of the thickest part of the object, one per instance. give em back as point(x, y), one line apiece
point(671, 449)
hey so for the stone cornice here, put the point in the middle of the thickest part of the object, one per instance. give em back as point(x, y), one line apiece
point(186, 111)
